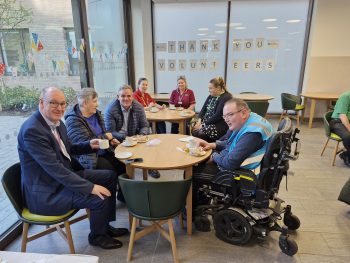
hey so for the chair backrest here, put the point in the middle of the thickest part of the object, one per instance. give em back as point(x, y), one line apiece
point(153, 200)
point(273, 166)
point(11, 181)
point(259, 107)
point(326, 119)
point(289, 101)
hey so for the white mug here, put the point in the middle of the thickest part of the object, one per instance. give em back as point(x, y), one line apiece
point(129, 140)
point(171, 106)
point(103, 143)
point(192, 143)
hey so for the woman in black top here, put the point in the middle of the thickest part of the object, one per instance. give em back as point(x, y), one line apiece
point(210, 125)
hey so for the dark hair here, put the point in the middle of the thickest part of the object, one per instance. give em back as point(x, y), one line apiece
point(140, 80)
point(218, 82)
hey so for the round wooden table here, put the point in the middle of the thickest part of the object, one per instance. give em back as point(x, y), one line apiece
point(164, 156)
point(253, 97)
point(314, 96)
point(170, 116)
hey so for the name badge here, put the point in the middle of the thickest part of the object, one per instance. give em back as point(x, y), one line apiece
point(180, 102)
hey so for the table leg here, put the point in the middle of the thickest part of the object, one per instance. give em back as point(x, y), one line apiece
point(130, 171)
point(145, 174)
point(312, 112)
point(303, 113)
point(182, 127)
point(154, 127)
point(188, 174)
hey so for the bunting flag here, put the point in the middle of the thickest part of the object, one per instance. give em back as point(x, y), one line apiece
point(40, 46)
point(2, 69)
point(54, 64)
point(82, 45)
point(61, 65)
point(35, 38)
point(34, 46)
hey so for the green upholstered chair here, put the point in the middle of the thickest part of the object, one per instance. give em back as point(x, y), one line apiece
point(259, 107)
point(330, 135)
point(11, 182)
point(291, 102)
point(247, 92)
point(155, 201)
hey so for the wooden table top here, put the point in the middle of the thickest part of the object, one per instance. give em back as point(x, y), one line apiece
point(164, 155)
point(253, 97)
point(321, 95)
point(169, 115)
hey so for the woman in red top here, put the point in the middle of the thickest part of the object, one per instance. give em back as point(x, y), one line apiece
point(183, 97)
point(142, 96)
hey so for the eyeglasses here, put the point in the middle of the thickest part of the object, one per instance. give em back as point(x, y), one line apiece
point(55, 104)
point(230, 114)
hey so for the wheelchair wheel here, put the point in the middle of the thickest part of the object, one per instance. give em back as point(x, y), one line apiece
point(231, 227)
point(202, 223)
point(288, 246)
point(291, 221)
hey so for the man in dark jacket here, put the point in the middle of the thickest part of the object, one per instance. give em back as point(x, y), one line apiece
point(53, 182)
point(126, 117)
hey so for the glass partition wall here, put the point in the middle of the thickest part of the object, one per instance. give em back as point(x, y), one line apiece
point(258, 46)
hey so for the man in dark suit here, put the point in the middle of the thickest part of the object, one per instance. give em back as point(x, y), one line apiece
point(53, 182)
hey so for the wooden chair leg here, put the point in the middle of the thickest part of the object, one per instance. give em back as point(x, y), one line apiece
point(298, 121)
point(132, 238)
point(335, 153)
point(173, 241)
point(324, 147)
point(24, 237)
point(282, 115)
point(88, 212)
point(69, 237)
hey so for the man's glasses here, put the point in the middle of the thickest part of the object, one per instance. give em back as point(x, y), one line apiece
point(230, 114)
point(55, 104)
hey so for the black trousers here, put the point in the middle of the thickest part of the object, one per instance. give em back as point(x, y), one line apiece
point(109, 162)
point(338, 127)
point(102, 211)
point(202, 174)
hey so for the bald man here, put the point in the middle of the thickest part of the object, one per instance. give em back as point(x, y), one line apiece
point(53, 182)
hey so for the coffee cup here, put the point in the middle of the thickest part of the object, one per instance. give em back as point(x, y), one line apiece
point(172, 106)
point(103, 143)
point(129, 141)
point(154, 109)
point(192, 143)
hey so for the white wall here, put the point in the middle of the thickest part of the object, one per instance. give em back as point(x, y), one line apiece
point(328, 63)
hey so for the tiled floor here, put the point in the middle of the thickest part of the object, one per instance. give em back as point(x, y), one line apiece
point(324, 235)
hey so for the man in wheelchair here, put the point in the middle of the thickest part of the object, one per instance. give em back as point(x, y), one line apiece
point(238, 186)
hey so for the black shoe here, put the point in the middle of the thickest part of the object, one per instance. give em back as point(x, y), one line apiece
point(105, 242)
point(154, 173)
point(345, 157)
point(116, 232)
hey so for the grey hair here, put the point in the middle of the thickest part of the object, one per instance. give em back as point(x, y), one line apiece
point(46, 90)
point(86, 95)
point(240, 104)
point(125, 87)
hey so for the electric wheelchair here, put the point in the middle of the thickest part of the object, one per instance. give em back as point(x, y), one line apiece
point(243, 204)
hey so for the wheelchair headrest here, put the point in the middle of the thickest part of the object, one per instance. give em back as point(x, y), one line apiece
point(285, 126)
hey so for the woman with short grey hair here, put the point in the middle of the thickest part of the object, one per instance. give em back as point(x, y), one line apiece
point(85, 122)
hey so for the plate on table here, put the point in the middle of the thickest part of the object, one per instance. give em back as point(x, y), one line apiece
point(184, 114)
point(199, 154)
point(179, 108)
point(125, 144)
point(173, 108)
point(154, 110)
point(140, 138)
point(123, 155)
point(186, 139)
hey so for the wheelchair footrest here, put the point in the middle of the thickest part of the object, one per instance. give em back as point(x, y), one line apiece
point(259, 214)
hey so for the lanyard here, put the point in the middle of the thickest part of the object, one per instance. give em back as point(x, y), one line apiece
point(181, 96)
